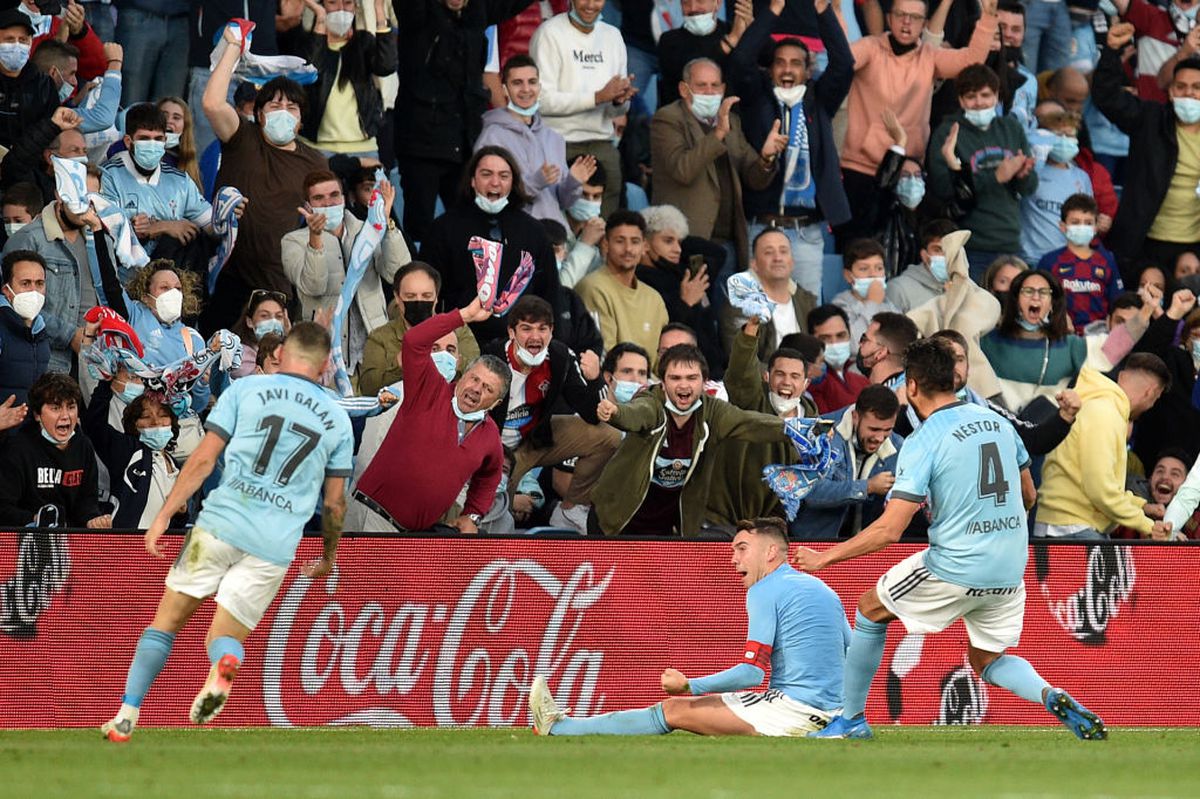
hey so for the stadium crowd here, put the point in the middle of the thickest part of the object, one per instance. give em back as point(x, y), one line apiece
point(726, 214)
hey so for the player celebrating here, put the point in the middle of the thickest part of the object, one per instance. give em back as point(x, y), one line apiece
point(797, 624)
point(964, 458)
point(283, 437)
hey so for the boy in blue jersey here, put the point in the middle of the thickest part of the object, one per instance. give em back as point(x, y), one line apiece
point(964, 461)
point(797, 625)
point(284, 438)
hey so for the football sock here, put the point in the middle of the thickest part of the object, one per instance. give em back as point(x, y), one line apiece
point(1017, 675)
point(862, 661)
point(148, 660)
point(647, 721)
point(220, 647)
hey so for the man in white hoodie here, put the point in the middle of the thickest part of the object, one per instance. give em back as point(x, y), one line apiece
point(584, 86)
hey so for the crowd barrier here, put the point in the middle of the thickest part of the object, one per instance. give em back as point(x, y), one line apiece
point(449, 631)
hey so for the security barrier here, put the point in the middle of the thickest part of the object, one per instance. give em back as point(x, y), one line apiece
point(449, 631)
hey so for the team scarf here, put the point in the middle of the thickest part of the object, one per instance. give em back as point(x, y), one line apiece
point(225, 225)
point(816, 456)
point(798, 187)
point(117, 345)
point(537, 382)
point(258, 69)
point(369, 237)
point(488, 256)
point(747, 295)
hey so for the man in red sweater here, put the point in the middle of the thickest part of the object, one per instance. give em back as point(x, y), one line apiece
point(839, 386)
point(442, 437)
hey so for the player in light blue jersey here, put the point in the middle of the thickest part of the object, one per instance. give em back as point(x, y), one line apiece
point(968, 463)
point(284, 439)
point(797, 624)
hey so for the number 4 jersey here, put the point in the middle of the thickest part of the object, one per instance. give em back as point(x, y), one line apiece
point(284, 435)
point(966, 461)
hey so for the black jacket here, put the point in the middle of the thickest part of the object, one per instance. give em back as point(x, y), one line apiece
point(445, 246)
point(895, 227)
point(824, 97)
point(567, 384)
point(677, 47)
point(37, 473)
point(665, 280)
point(365, 55)
point(28, 98)
point(575, 326)
point(24, 355)
point(23, 162)
point(442, 97)
point(1153, 147)
point(1172, 422)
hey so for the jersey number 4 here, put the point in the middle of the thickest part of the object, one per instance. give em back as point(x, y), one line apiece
point(992, 482)
point(274, 427)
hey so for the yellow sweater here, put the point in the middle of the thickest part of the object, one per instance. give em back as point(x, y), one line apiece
point(1083, 481)
point(624, 314)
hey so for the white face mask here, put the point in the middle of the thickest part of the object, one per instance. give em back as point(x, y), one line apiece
point(169, 305)
point(339, 23)
point(790, 95)
point(784, 406)
point(27, 304)
point(528, 358)
point(12, 227)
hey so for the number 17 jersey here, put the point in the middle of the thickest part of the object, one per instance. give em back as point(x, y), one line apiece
point(966, 460)
point(284, 434)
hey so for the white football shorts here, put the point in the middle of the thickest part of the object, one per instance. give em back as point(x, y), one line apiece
point(245, 585)
point(774, 713)
point(925, 604)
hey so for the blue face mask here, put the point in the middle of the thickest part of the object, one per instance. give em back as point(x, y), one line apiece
point(525, 112)
point(65, 91)
point(148, 154)
point(578, 20)
point(623, 390)
point(173, 140)
point(1029, 327)
point(446, 363)
point(1081, 235)
point(266, 327)
point(14, 56)
point(980, 117)
point(131, 392)
point(863, 284)
point(1064, 149)
point(910, 190)
point(582, 210)
point(706, 106)
point(490, 206)
point(473, 416)
point(279, 126)
point(837, 353)
point(156, 438)
point(1196, 349)
point(334, 214)
point(53, 440)
point(938, 268)
point(1186, 108)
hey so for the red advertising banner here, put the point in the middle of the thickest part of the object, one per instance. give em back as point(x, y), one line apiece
point(449, 632)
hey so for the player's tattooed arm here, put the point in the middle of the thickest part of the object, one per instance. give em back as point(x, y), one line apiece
point(333, 514)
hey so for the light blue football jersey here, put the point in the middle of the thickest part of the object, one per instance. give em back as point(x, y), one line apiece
point(284, 435)
point(966, 460)
point(803, 622)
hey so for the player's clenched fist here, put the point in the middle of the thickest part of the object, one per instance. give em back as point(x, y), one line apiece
point(674, 682)
point(808, 560)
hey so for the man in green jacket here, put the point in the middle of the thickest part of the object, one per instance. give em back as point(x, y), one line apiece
point(658, 481)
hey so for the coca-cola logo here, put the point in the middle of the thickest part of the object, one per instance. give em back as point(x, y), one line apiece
point(1107, 587)
point(330, 662)
point(41, 570)
point(964, 698)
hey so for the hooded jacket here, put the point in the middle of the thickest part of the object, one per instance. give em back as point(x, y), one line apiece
point(532, 146)
point(626, 479)
point(1083, 480)
point(915, 286)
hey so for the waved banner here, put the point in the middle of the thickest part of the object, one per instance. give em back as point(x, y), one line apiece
point(449, 632)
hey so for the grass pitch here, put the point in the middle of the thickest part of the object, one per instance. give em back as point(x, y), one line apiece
point(498, 764)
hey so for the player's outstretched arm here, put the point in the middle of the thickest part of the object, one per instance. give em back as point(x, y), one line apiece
point(886, 530)
point(197, 469)
point(333, 513)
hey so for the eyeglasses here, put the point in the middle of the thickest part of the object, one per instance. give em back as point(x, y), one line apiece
point(1029, 291)
point(258, 295)
point(906, 17)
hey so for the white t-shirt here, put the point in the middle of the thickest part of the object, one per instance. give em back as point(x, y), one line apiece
point(785, 321)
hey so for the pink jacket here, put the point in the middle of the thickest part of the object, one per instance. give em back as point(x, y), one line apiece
point(904, 84)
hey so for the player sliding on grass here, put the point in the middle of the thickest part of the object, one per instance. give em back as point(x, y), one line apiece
point(797, 624)
point(970, 464)
point(283, 437)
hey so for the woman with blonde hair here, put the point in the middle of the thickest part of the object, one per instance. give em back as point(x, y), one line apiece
point(181, 139)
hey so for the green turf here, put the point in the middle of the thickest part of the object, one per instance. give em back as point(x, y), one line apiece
point(921, 762)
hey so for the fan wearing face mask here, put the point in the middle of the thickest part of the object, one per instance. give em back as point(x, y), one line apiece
point(345, 105)
point(315, 258)
point(24, 347)
point(33, 93)
point(701, 35)
point(417, 287)
point(22, 202)
point(1059, 178)
point(927, 278)
point(158, 296)
point(838, 385)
